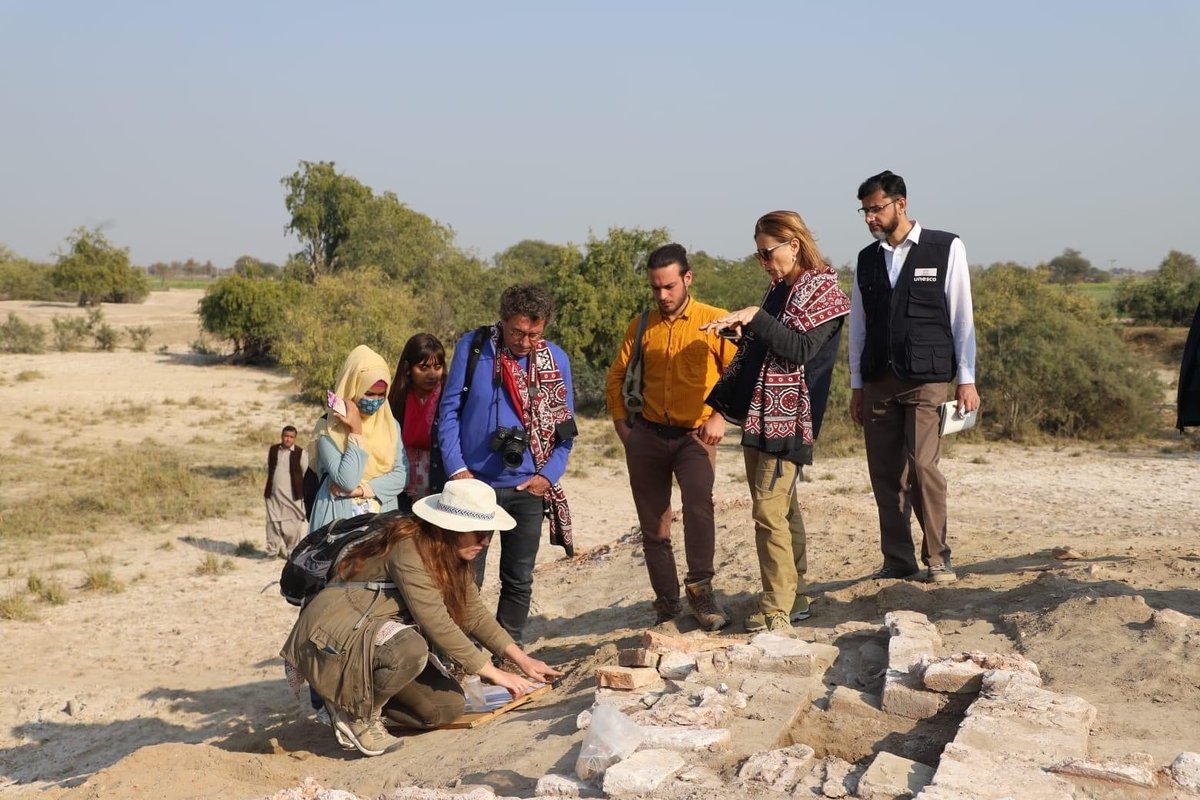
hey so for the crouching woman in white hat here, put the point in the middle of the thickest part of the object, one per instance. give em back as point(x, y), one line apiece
point(356, 644)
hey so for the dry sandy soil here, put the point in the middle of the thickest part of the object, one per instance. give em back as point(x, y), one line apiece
point(173, 688)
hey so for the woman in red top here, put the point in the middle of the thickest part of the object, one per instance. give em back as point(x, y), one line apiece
point(414, 396)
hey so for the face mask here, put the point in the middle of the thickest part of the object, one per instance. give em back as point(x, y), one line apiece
point(369, 405)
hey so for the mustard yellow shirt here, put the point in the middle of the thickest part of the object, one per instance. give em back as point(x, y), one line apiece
point(680, 366)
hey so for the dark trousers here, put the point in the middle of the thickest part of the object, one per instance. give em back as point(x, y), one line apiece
point(900, 428)
point(652, 460)
point(518, 552)
point(420, 698)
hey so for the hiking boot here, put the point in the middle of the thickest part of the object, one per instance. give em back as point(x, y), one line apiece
point(778, 623)
point(666, 609)
point(941, 573)
point(800, 612)
point(369, 737)
point(895, 573)
point(704, 607)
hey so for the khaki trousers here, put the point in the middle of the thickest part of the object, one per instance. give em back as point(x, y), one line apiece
point(900, 428)
point(778, 529)
point(652, 460)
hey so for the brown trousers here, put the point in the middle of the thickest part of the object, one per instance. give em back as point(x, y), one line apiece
point(900, 427)
point(652, 460)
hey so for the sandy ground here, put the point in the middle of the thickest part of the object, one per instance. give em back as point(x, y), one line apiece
point(173, 688)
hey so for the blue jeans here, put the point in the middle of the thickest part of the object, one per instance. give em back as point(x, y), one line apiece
point(518, 552)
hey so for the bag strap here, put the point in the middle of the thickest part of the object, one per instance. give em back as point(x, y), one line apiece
point(473, 359)
point(636, 357)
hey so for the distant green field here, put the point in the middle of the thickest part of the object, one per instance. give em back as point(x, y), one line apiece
point(1100, 292)
point(163, 284)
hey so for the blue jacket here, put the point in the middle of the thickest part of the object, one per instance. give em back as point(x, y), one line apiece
point(465, 437)
point(347, 469)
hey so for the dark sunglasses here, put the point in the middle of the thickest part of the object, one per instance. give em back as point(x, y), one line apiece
point(764, 253)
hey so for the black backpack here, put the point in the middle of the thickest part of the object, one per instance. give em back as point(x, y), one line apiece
point(310, 565)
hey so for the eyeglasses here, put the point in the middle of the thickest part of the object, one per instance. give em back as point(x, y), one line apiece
point(873, 211)
point(533, 337)
point(764, 253)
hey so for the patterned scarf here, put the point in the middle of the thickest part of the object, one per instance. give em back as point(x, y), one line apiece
point(545, 408)
point(780, 408)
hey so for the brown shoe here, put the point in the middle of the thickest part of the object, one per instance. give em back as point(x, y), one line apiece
point(704, 607)
point(666, 609)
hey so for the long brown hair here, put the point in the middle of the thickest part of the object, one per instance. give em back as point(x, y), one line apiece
point(788, 225)
point(439, 554)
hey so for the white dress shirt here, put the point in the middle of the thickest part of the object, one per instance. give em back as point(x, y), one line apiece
point(958, 298)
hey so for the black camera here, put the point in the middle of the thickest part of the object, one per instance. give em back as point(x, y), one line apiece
point(510, 443)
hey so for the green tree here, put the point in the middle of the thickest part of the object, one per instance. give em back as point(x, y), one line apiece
point(532, 261)
point(1051, 364)
point(249, 312)
point(403, 243)
point(336, 314)
point(251, 267)
point(98, 271)
point(726, 283)
point(1168, 297)
point(1069, 267)
point(323, 204)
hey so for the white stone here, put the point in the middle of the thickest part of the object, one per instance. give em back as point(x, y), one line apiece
point(779, 770)
point(743, 655)
point(676, 665)
point(904, 697)
point(775, 646)
point(906, 651)
point(560, 786)
point(583, 719)
point(641, 773)
point(1111, 771)
point(684, 739)
point(833, 783)
point(1185, 770)
point(891, 777)
point(911, 623)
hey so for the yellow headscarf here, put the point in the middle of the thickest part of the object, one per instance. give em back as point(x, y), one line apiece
point(362, 370)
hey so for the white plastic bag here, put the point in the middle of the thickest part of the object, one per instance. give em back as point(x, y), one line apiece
point(612, 736)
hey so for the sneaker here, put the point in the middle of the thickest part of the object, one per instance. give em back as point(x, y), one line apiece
point(895, 573)
point(369, 737)
point(941, 573)
point(704, 607)
point(800, 612)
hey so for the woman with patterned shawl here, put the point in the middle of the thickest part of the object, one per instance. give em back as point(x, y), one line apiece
point(776, 389)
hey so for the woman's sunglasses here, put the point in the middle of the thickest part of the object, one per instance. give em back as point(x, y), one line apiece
point(764, 253)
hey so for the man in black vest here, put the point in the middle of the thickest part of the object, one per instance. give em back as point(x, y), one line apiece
point(912, 331)
point(286, 521)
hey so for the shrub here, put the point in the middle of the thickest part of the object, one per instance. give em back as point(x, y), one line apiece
point(249, 313)
point(1049, 363)
point(139, 337)
point(96, 271)
point(16, 607)
point(19, 336)
point(69, 332)
point(25, 280)
point(338, 313)
point(106, 337)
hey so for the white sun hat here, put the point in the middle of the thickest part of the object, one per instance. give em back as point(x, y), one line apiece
point(464, 505)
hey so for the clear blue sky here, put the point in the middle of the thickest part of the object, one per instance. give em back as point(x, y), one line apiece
point(1025, 127)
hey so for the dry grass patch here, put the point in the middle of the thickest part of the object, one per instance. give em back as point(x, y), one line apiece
point(50, 590)
point(153, 485)
point(27, 375)
point(245, 548)
point(16, 607)
point(212, 564)
point(97, 579)
point(26, 439)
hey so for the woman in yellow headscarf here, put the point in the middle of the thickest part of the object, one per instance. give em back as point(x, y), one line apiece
point(360, 455)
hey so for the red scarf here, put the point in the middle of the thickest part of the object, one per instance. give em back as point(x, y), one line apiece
point(540, 397)
point(417, 425)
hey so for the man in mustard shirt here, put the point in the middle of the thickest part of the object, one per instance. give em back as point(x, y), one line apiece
point(674, 433)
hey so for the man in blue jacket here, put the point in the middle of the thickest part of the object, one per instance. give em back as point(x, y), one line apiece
point(511, 424)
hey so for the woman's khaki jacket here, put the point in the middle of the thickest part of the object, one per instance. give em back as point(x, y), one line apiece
point(332, 644)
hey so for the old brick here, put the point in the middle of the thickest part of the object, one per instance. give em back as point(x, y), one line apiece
point(906, 651)
point(664, 643)
point(684, 739)
point(676, 665)
point(637, 657)
point(561, 786)
point(845, 700)
point(904, 697)
point(626, 677)
point(641, 773)
point(911, 623)
point(1108, 771)
point(779, 770)
point(962, 673)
